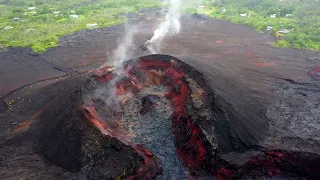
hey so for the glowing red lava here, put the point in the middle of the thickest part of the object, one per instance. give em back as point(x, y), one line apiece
point(316, 73)
point(196, 153)
point(167, 73)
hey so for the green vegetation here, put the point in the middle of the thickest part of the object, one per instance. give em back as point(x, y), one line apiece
point(40, 28)
point(300, 17)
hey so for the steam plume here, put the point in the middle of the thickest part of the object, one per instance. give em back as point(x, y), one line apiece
point(169, 27)
point(122, 53)
point(124, 50)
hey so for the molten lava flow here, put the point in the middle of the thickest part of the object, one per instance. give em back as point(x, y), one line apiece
point(316, 73)
point(153, 80)
point(149, 169)
point(152, 89)
point(148, 76)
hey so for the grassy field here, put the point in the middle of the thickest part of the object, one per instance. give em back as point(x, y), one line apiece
point(300, 17)
point(40, 28)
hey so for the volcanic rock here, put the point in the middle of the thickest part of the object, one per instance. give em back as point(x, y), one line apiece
point(68, 140)
point(87, 136)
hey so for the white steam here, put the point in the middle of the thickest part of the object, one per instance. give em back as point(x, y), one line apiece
point(122, 53)
point(124, 50)
point(170, 26)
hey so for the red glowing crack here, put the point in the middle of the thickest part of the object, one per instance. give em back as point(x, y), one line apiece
point(193, 148)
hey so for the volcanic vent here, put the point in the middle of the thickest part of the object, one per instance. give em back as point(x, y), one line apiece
point(139, 119)
point(150, 101)
point(145, 121)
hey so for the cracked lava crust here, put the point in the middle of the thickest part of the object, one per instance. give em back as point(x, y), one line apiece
point(147, 120)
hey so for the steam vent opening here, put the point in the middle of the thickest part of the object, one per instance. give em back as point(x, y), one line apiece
point(146, 120)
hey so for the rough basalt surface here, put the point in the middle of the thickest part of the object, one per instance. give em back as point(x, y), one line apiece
point(157, 118)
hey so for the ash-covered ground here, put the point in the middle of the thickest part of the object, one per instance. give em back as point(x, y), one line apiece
point(266, 97)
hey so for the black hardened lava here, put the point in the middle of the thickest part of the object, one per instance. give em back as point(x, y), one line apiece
point(68, 140)
point(3, 106)
point(199, 152)
point(71, 139)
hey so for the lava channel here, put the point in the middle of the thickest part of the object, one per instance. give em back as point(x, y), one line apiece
point(154, 103)
point(138, 106)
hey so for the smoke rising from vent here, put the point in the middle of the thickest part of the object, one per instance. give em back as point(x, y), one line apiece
point(124, 50)
point(170, 26)
point(122, 53)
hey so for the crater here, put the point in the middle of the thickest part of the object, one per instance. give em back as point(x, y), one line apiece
point(153, 117)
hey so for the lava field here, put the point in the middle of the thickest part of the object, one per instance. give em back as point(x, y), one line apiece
point(144, 118)
point(222, 104)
